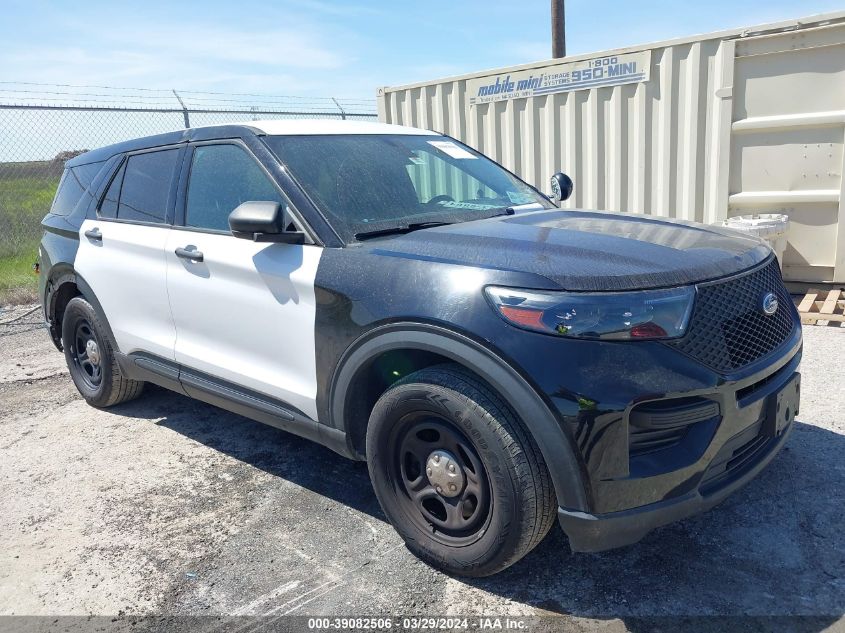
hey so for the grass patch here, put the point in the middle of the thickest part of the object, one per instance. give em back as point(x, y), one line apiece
point(23, 203)
point(18, 283)
point(26, 193)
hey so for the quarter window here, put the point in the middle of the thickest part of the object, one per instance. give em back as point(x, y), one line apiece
point(73, 188)
point(223, 177)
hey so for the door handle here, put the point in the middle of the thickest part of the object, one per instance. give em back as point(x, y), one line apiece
point(94, 234)
point(184, 253)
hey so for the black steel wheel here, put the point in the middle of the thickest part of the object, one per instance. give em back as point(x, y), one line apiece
point(457, 474)
point(446, 487)
point(85, 353)
point(90, 357)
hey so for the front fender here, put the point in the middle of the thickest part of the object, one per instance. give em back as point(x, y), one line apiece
point(551, 437)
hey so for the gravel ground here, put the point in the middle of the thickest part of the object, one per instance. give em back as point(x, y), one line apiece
point(166, 505)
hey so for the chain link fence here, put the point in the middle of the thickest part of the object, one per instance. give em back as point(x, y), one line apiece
point(36, 138)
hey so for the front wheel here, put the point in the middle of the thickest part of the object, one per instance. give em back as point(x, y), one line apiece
point(90, 358)
point(456, 473)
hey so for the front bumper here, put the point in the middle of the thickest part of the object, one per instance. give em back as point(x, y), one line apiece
point(596, 533)
point(738, 460)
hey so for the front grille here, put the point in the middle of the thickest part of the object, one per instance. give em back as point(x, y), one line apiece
point(655, 426)
point(666, 435)
point(750, 390)
point(728, 328)
point(645, 441)
point(737, 455)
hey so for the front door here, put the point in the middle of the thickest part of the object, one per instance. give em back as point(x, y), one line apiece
point(244, 311)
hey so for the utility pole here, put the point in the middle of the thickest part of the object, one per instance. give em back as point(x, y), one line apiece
point(558, 29)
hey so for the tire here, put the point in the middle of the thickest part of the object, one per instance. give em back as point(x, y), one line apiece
point(90, 358)
point(501, 502)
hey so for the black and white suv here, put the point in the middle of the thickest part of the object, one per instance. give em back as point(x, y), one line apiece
point(400, 298)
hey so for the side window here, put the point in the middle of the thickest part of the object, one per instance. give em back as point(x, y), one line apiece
point(108, 207)
point(222, 177)
point(146, 186)
point(73, 186)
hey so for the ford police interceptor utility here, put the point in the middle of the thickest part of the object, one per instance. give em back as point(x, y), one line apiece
point(400, 298)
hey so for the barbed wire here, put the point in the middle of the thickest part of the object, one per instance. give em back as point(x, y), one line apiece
point(29, 92)
point(163, 90)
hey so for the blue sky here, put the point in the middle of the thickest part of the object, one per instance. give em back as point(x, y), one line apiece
point(331, 48)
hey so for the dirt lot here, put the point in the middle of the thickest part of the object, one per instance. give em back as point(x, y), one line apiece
point(165, 505)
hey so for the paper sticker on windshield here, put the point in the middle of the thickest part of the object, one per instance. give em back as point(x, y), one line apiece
point(451, 204)
point(450, 148)
point(417, 160)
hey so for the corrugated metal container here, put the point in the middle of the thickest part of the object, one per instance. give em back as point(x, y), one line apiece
point(703, 128)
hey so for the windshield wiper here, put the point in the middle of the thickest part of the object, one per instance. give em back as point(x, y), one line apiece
point(397, 230)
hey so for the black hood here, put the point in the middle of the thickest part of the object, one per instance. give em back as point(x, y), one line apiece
point(586, 250)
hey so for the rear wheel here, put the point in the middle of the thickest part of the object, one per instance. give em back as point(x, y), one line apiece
point(456, 473)
point(90, 358)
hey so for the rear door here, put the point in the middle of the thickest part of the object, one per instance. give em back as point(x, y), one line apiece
point(244, 311)
point(121, 252)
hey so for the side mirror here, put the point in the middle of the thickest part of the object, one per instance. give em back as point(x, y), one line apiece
point(562, 187)
point(264, 222)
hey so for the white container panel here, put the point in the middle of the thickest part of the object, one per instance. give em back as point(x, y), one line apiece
point(736, 122)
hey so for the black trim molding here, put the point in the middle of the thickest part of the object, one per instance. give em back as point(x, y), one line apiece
point(526, 403)
point(231, 397)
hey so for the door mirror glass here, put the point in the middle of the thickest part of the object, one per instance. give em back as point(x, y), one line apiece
point(562, 187)
point(264, 221)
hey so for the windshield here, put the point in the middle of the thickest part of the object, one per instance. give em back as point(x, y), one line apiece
point(371, 183)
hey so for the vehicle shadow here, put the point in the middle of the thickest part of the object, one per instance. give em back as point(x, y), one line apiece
point(271, 450)
point(774, 548)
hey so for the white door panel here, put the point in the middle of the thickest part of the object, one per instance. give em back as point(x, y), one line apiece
point(127, 272)
point(246, 313)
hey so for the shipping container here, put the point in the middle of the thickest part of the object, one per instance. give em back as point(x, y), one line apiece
point(701, 128)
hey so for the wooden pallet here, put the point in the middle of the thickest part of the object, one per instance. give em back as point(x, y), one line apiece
point(827, 311)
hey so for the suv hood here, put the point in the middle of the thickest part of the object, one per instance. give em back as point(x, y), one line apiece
point(586, 250)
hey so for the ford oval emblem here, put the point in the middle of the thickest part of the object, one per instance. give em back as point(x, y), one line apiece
point(770, 303)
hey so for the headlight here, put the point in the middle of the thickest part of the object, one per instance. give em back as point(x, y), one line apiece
point(649, 314)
